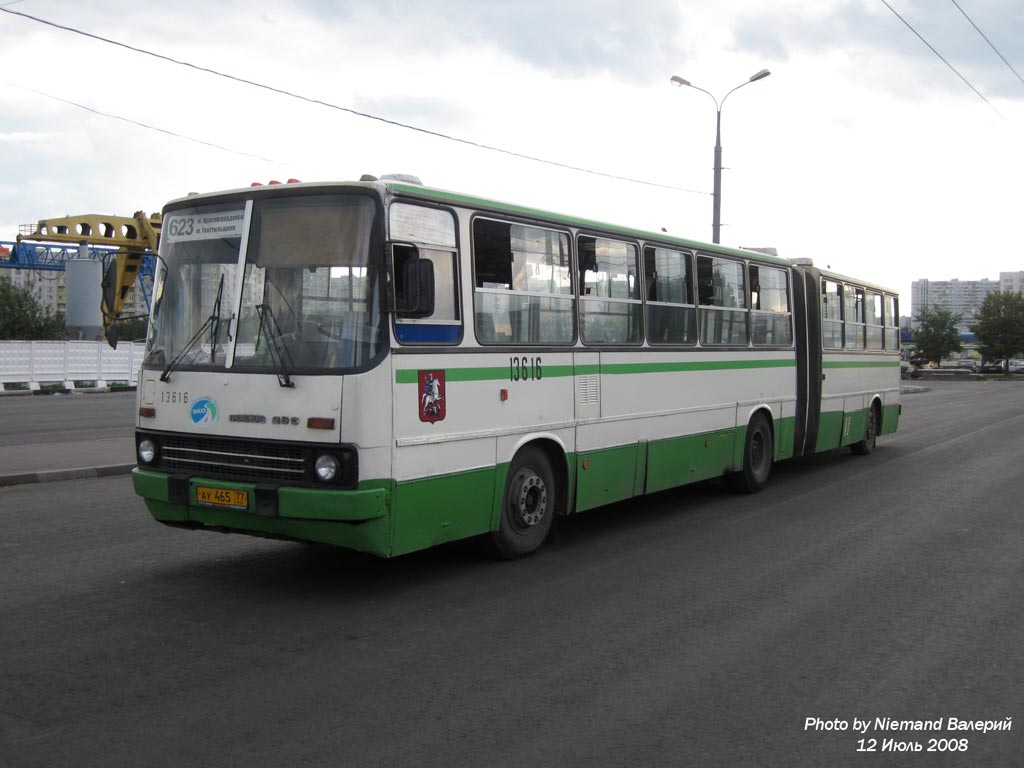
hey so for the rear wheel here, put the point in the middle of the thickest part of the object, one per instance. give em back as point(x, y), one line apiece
point(758, 453)
point(528, 506)
point(867, 445)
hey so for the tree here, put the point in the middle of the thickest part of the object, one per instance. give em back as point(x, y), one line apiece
point(937, 335)
point(133, 329)
point(1000, 326)
point(22, 318)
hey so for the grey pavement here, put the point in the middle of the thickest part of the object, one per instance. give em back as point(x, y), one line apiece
point(691, 627)
point(48, 462)
point(65, 436)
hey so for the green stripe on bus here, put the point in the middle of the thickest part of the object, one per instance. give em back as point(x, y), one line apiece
point(704, 365)
point(411, 376)
point(861, 364)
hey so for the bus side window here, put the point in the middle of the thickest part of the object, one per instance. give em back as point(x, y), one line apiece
point(769, 305)
point(853, 316)
point(831, 315)
point(523, 292)
point(426, 296)
point(891, 319)
point(874, 320)
point(610, 304)
point(722, 294)
point(671, 314)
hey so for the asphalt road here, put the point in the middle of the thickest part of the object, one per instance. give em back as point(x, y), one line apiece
point(691, 628)
point(26, 420)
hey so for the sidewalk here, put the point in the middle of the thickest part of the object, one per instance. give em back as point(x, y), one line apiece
point(48, 462)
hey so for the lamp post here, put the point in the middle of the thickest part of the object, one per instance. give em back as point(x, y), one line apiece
point(716, 210)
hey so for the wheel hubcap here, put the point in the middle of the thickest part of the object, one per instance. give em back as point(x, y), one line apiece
point(757, 452)
point(531, 501)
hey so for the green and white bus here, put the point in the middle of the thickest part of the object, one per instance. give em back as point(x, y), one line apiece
point(384, 366)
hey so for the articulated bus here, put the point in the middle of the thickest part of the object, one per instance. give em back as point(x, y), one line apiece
point(384, 366)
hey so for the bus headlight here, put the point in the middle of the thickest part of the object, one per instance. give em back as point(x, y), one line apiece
point(147, 450)
point(326, 467)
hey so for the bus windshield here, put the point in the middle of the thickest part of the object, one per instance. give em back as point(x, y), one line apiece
point(307, 296)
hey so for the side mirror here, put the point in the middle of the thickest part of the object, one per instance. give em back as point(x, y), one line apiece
point(414, 283)
point(425, 287)
point(111, 332)
point(108, 293)
point(108, 286)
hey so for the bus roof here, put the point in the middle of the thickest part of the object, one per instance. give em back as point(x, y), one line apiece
point(847, 279)
point(457, 198)
point(432, 194)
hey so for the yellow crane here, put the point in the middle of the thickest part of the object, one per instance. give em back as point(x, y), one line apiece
point(133, 236)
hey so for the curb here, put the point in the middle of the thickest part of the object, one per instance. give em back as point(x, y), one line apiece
point(913, 389)
point(51, 392)
point(57, 475)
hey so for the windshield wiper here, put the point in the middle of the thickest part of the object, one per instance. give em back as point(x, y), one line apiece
point(215, 318)
point(213, 321)
point(278, 353)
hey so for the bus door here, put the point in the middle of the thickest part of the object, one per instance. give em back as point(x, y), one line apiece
point(807, 298)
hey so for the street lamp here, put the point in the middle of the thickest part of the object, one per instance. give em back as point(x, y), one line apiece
point(716, 211)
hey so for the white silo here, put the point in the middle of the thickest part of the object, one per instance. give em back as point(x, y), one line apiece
point(84, 319)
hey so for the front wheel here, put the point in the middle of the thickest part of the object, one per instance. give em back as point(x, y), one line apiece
point(867, 445)
point(528, 506)
point(758, 454)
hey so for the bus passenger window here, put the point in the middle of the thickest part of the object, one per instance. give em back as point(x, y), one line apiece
point(853, 316)
point(891, 319)
point(874, 332)
point(831, 315)
point(671, 312)
point(770, 314)
point(609, 291)
point(523, 292)
point(722, 293)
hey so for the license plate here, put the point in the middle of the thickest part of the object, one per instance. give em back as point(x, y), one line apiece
point(222, 497)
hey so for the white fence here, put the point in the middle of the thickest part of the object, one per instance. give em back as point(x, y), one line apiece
point(33, 363)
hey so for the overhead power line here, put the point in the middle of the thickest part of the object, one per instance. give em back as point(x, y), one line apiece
point(985, 38)
point(942, 58)
point(329, 105)
point(141, 125)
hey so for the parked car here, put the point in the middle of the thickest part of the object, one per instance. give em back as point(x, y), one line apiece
point(1018, 368)
point(965, 365)
point(993, 366)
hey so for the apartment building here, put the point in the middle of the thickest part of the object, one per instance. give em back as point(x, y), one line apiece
point(961, 297)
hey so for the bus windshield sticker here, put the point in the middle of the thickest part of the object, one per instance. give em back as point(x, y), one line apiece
point(203, 226)
point(431, 396)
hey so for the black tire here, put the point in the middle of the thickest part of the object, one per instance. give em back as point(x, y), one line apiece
point(758, 455)
point(528, 505)
point(867, 445)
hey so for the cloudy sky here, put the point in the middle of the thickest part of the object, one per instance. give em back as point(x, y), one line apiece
point(863, 150)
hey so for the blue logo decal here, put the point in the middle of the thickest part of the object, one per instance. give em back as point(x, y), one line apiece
point(204, 411)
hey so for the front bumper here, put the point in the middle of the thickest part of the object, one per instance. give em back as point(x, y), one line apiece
point(357, 518)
